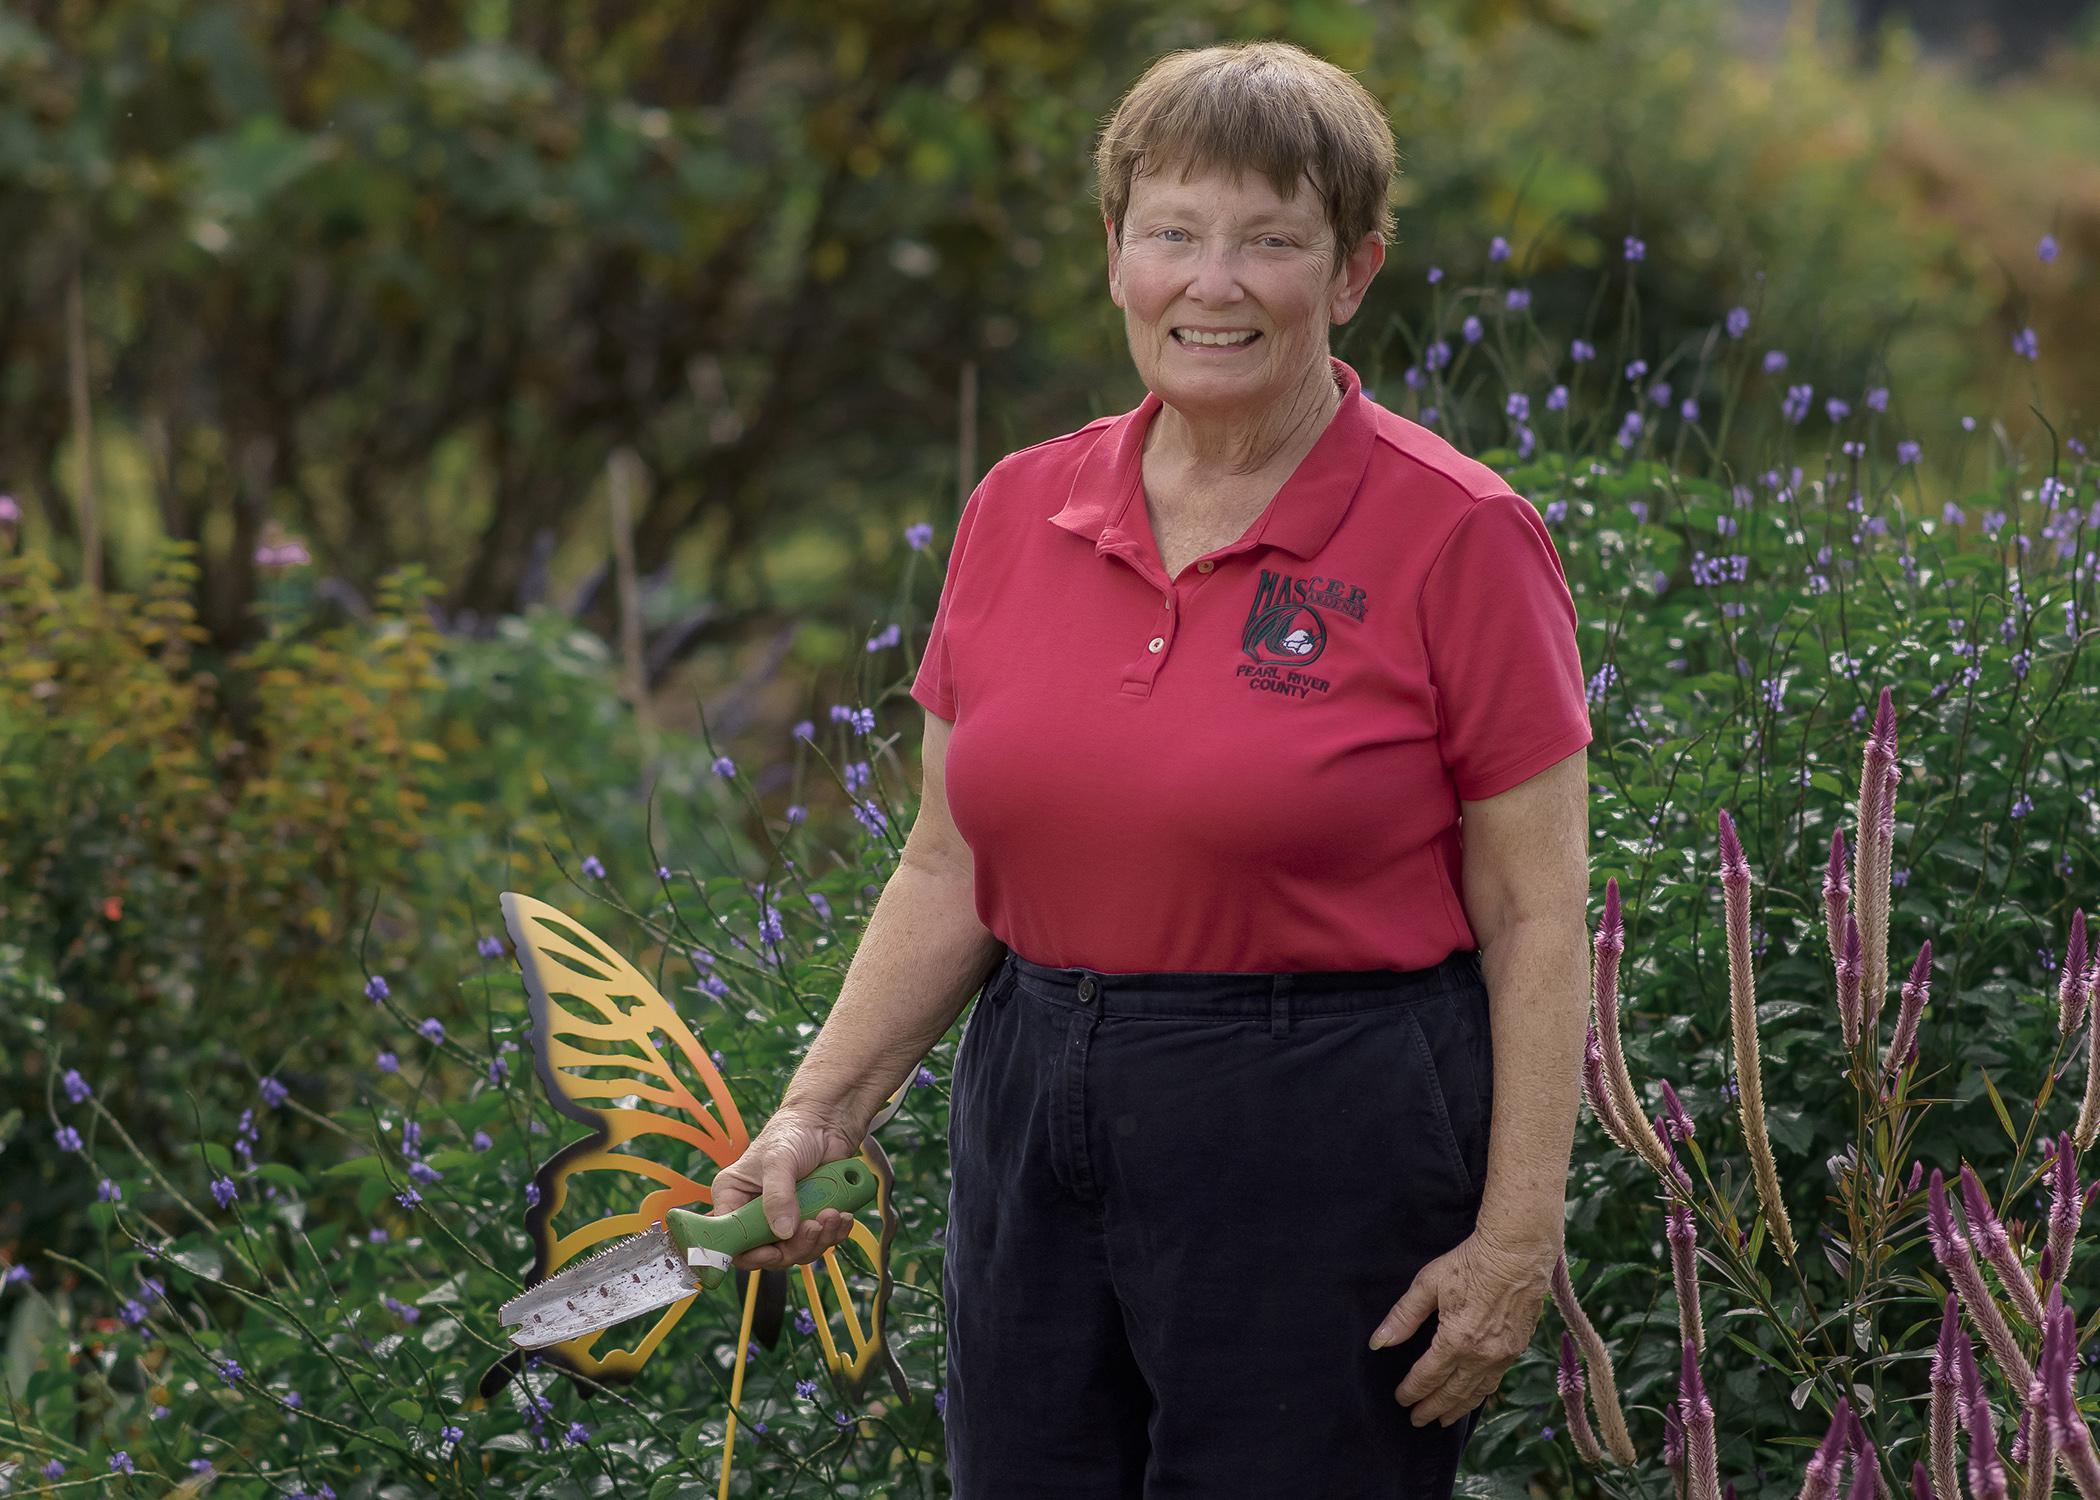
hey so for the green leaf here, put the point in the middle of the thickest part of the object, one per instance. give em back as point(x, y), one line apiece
point(1998, 1104)
point(200, 1260)
point(356, 1166)
point(283, 1175)
point(407, 1410)
point(217, 1157)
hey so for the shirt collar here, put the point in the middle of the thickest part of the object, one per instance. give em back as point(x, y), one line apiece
point(1304, 514)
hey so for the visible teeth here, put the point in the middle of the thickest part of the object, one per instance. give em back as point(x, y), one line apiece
point(1213, 338)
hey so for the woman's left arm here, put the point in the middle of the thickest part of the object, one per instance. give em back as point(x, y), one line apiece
point(1526, 893)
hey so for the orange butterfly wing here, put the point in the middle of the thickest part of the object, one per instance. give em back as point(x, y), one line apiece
point(594, 1025)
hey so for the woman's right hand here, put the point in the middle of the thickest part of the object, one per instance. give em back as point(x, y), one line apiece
point(794, 1143)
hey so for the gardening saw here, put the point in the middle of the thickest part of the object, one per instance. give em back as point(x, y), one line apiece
point(685, 1253)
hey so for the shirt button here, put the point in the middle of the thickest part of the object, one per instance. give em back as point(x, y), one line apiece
point(1088, 988)
point(1157, 642)
point(1205, 566)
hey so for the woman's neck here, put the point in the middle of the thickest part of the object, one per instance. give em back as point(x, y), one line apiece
point(1226, 449)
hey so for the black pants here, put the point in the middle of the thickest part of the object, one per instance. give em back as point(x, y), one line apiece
point(1180, 1205)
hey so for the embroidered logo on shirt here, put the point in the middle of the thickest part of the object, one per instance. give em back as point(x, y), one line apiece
point(1285, 629)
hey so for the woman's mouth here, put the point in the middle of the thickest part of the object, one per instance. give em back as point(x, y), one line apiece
point(1216, 343)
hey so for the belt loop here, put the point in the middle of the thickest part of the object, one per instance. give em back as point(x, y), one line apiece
point(1279, 1005)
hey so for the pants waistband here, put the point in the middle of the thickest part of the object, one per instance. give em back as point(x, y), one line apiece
point(1238, 997)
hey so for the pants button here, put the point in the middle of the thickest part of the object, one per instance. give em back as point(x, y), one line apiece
point(1088, 988)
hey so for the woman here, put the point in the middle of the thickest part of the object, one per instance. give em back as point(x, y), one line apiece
point(1222, 675)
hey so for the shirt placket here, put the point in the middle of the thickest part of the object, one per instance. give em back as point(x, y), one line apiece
point(1144, 667)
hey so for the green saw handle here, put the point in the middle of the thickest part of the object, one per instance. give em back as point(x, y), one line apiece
point(844, 1185)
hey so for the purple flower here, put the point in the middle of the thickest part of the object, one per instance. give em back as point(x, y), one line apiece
point(2024, 345)
point(804, 1323)
point(432, 1029)
point(481, 1141)
point(490, 947)
point(499, 1071)
point(821, 906)
point(200, 1466)
point(840, 1419)
point(1472, 330)
point(806, 1389)
point(940, 1402)
point(805, 729)
point(1738, 322)
point(889, 635)
point(76, 1087)
point(292, 1399)
point(923, 1078)
point(532, 1195)
point(57, 1466)
point(724, 766)
point(386, 1062)
point(408, 1199)
point(2045, 249)
point(273, 1093)
point(1775, 361)
point(67, 1137)
point(592, 868)
point(1635, 250)
point(1878, 398)
point(863, 720)
point(224, 1191)
point(376, 1236)
point(796, 812)
point(918, 535)
point(375, 989)
point(1907, 452)
point(1582, 350)
point(1498, 248)
point(1517, 300)
point(1436, 274)
point(1518, 406)
point(230, 1372)
point(133, 1312)
point(451, 1434)
point(109, 1192)
point(120, 1463)
point(423, 1171)
point(577, 1433)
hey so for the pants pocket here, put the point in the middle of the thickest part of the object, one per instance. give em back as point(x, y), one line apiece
point(1456, 1061)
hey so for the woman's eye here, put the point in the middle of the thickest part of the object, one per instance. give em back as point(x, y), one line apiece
point(1170, 231)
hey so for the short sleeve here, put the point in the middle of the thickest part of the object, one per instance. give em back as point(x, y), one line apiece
point(934, 685)
point(1499, 623)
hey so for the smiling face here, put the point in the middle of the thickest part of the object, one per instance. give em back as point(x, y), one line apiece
point(1226, 258)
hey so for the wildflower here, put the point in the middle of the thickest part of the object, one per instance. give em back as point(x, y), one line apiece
point(53, 1469)
point(1673, 1109)
point(223, 1190)
point(273, 1093)
point(1604, 1389)
point(1518, 406)
point(133, 1312)
point(1735, 884)
point(863, 720)
point(451, 1434)
point(376, 1236)
point(1684, 1266)
point(1471, 329)
point(120, 1463)
point(376, 989)
point(1952, 1250)
point(386, 1062)
point(940, 1402)
point(1738, 322)
point(1795, 407)
point(2045, 249)
point(663, 872)
point(200, 1466)
point(481, 1141)
point(918, 535)
point(1916, 991)
point(840, 1419)
point(889, 635)
point(75, 1086)
point(1878, 398)
point(819, 905)
point(1907, 453)
point(423, 1171)
point(1837, 410)
point(804, 730)
point(499, 1071)
point(1436, 274)
point(108, 1192)
point(723, 766)
point(923, 1078)
point(532, 1195)
point(1517, 300)
point(1581, 350)
point(806, 1389)
point(592, 868)
point(67, 1137)
point(230, 1372)
point(490, 947)
point(1498, 249)
point(1635, 249)
point(702, 958)
point(870, 817)
point(1635, 370)
point(857, 774)
point(408, 1199)
point(804, 1323)
point(2024, 345)
point(292, 1399)
point(577, 1433)
point(432, 1029)
point(1557, 399)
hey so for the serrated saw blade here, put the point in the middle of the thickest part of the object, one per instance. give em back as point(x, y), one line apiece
point(626, 1279)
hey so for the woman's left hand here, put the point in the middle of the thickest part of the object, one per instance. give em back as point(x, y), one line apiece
point(1487, 1299)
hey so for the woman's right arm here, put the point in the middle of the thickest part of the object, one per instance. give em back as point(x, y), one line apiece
point(923, 956)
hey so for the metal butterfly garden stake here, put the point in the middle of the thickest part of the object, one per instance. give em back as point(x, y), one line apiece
point(620, 1232)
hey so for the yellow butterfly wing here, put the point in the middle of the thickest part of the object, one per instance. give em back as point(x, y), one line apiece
point(595, 1020)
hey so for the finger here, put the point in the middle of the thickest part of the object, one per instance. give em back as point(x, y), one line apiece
point(1429, 1375)
point(783, 1213)
point(1399, 1325)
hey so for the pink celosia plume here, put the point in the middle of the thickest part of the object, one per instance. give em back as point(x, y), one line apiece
point(1917, 991)
point(1742, 993)
point(1959, 1263)
point(1702, 1451)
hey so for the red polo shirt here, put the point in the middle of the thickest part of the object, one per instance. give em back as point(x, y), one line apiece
point(1255, 767)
